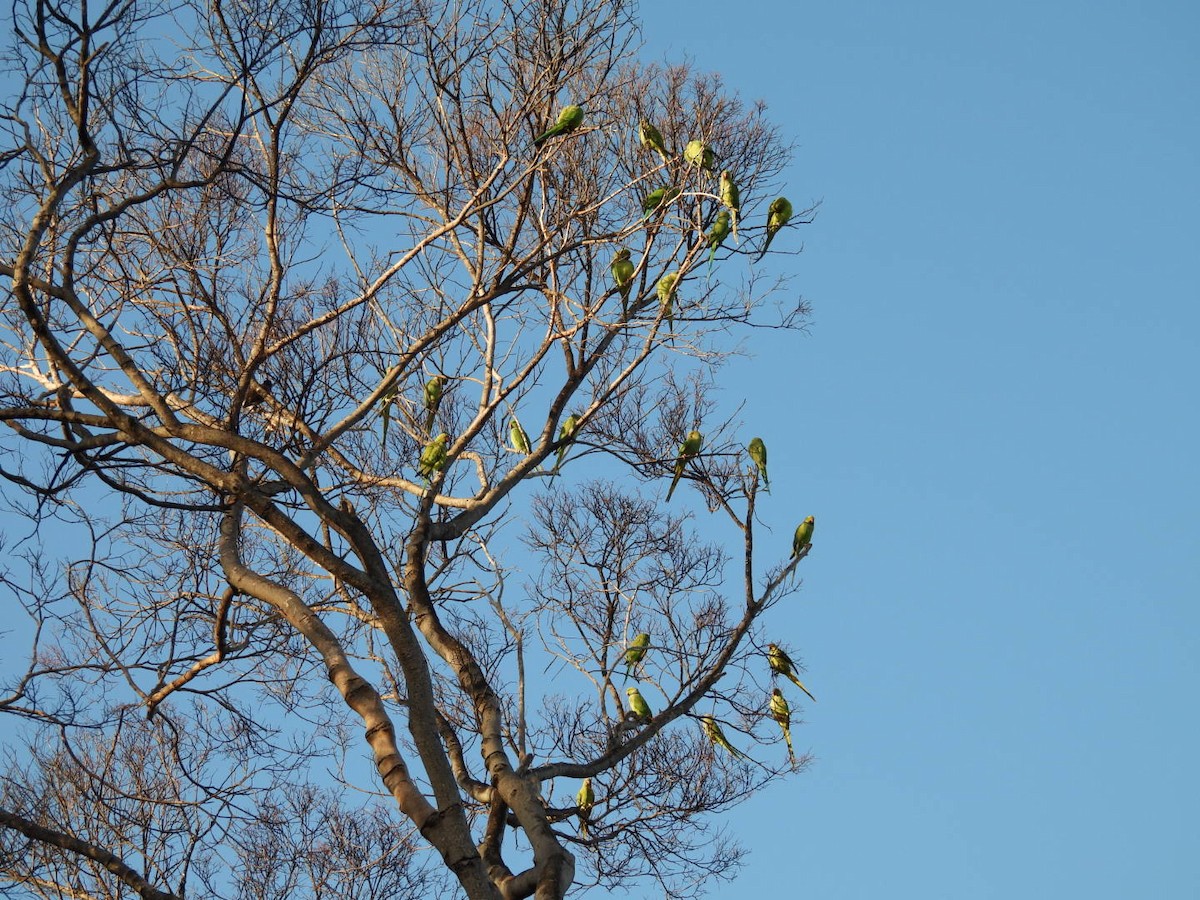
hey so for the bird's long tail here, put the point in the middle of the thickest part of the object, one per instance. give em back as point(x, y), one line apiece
point(799, 684)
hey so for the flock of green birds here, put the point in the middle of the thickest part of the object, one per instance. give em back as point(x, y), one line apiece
point(433, 457)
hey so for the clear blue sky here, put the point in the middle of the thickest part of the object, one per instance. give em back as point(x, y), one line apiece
point(997, 431)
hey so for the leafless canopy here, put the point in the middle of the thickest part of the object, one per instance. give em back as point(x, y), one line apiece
point(245, 245)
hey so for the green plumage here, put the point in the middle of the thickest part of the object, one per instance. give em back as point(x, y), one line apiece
point(434, 389)
point(657, 199)
point(687, 450)
point(433, 457)
point(385, 412)
point(781, 664)
point(699, 155)
point(518, 437)
point(636, 652)
point(585, 800)
point(565, 434)
point(638, 705)
point(731, 198)
point(803, 536)
point(781, 712)
point(758, 455)
point(622, 269)
point(778, 214)
point(666, 293)
point(570, 118)
point(652, 139)
point(717, 234)
point(714, 733)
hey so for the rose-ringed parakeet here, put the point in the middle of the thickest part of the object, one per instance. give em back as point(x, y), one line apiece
point(636, 652)
point(699, 155)
point(804, 533)
point(731, 198)
point(433, 457)
point(622, 274)
point(638, 705)
point(386, 402)
point(564, 435)
point(782, 713)
point(585, 800)
point(433, 399)
point(716, 235)
point(570, 118)
point(758, 455)
point(651, 138)
point(778, 214)
point(666, 293)
point(658, 199)
point(714, 733)
point(781, 664)
point(518, 437)
point(687, 450)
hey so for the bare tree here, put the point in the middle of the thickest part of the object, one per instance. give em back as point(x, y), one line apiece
point(334, 437)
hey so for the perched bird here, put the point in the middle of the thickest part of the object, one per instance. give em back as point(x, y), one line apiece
point(516, 434)
point(687, 450)
point(565, 434)
point(652, 138)
point(585, 800)
point(666, 290)
point(717, 234)
point(433, 457)
point(782, 713)
point(656, 199)
point(714, 733)
point(638, 705)
point(732, 198)
point(699, 155)
point(433, 399)
point(570, 118)
point(385, 412)
point(778, 214)
point(622, 274)
point(636, 652)
point(758, 455)
point(781, 664)
point(804, 533)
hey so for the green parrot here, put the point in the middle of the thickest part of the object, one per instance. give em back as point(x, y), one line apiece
point(804, 533)
point(433, 399)
point(758, 455)
point(569, 119)
point(636, 652)
point(687, 450)
point(714, 733)
point(732, 199)
point(716, 235)
point(781, 664)
point(778, 214)
point(433, 457)
point(386, 402)
point(638, 705)
point(622, 274)
point(699, 155)
point(782, 713)
point(652, 138)
point(585, 800)
point(520, 440)
point(666, 290)
point(657, 199)
point(565, 434)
